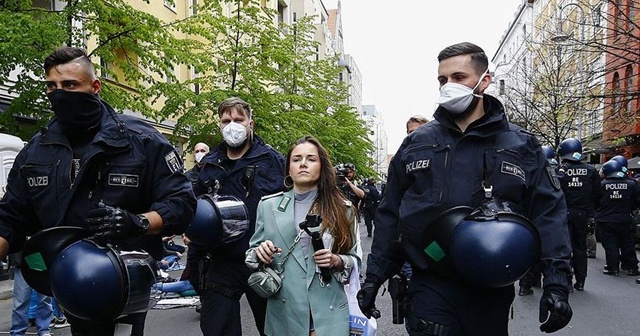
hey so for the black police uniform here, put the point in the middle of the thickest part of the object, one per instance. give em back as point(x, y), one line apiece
point(618, 198)
point(580, 184)
point(258, 173)
point(193, 174)
point(371, 201)
point(438, 167)
point(128, 164)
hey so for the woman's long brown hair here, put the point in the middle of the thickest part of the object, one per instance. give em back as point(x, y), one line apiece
point(330, 201)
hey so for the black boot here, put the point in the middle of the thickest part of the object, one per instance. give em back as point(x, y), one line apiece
point(611, 270)
point(634, 272)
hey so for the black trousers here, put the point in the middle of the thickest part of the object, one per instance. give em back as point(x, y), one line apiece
point(578, 227)
point(81, 327)
point(369, 216)
point(220, 314)
point(463, 309)
point(618, 244)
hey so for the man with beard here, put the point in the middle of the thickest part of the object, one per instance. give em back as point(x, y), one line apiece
point(92, 167)
point(245, 167)
point(469, 157)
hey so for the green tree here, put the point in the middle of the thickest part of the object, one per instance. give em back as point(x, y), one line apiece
point(274, 68)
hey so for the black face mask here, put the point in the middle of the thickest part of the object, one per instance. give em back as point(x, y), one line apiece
point(77, 112)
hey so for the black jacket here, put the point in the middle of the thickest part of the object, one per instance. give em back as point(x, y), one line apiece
point(128, 165)
point(438, 167)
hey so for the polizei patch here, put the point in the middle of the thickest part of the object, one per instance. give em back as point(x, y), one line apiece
point(124, 180)
point(172, 162)
point(512, 169)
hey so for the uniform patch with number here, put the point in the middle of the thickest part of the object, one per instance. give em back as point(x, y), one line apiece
point(124, 180)
point(512, 169)
point(553, 178)
point(173, 162)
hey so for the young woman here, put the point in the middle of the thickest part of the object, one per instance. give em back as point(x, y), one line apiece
point(307, 304)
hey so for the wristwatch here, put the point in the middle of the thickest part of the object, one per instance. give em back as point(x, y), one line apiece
point(144, 223)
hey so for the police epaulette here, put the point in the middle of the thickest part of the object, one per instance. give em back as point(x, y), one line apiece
point(272, 195)
point(527, 132)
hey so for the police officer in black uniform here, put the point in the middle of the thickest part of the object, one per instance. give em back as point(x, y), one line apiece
point(468, 151)
point(533, 276)
point(245, 167)
point(580, 184)
point(628, 264)
point(371, 201)
point(619, 196)
point(92, 167)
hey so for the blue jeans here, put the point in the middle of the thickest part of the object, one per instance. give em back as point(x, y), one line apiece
point(175, 287)
point(20, 314)
point(57, 311)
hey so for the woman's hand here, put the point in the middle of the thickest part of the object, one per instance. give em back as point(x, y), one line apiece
point(265, 251)
point(324, 258)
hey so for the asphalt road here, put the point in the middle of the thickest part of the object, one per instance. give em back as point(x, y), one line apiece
point(608, 306)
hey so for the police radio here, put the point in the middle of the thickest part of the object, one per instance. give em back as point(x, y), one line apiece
point(311, 226)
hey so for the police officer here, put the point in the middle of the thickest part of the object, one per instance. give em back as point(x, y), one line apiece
point(580, 184)
point(245, 167)
point(92, 167)
point(627, 265)
point(199, 151)
point(619, 196)
point(444, 164)
point(371, 200)
point(532, 278)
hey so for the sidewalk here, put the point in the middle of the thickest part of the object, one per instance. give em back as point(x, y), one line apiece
point(6, 289)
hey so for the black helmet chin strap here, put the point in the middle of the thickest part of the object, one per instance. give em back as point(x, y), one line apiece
point(486, 185)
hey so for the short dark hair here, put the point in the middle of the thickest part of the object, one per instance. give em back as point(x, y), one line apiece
point(234, 103)
point(478, 57)
point(64, 55)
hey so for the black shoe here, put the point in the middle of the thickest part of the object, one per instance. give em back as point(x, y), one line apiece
point(369, 235)
point(579, 286)
point(525, 290)
point(591, 256)
point(634, 272)
point(638, 281)
point(611, 272)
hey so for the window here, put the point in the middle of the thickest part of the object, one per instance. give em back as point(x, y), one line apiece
point(501, 86)
point(629, 87)
point(104, 69)
point(171, 4)
point(196, 85)
point(616, 94)
point(194, 7)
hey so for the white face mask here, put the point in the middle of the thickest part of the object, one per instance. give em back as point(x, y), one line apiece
point(456, 98)
point(199, 156)
point(234, 134)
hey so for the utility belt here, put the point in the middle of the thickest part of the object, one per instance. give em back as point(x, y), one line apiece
point(427, 328)
point(205, 281)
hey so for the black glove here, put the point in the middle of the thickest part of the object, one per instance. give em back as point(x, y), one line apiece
point(367, 300)
point(555, 311)
point(109, 222)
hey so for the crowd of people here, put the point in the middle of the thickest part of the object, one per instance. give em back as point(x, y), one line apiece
point(122, 181)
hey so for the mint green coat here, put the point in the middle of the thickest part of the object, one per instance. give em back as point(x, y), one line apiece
point(301, 295)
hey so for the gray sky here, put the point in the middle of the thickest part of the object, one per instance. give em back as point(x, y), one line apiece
point(395, 44)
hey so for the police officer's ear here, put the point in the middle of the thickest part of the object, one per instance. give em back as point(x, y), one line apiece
point(96, 85)
point(485, 82)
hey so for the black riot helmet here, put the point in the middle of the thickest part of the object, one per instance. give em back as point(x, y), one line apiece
point(219, 219)
point(491, 246)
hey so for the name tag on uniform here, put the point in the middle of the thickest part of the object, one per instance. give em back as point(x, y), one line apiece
point(123, 180)
point(512, 169)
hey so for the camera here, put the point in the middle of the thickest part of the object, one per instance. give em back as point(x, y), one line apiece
point(342, 171)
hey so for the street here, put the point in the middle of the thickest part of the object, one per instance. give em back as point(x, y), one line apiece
point(608, 306)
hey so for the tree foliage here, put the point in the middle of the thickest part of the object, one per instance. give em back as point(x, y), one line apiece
point(229, 48)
